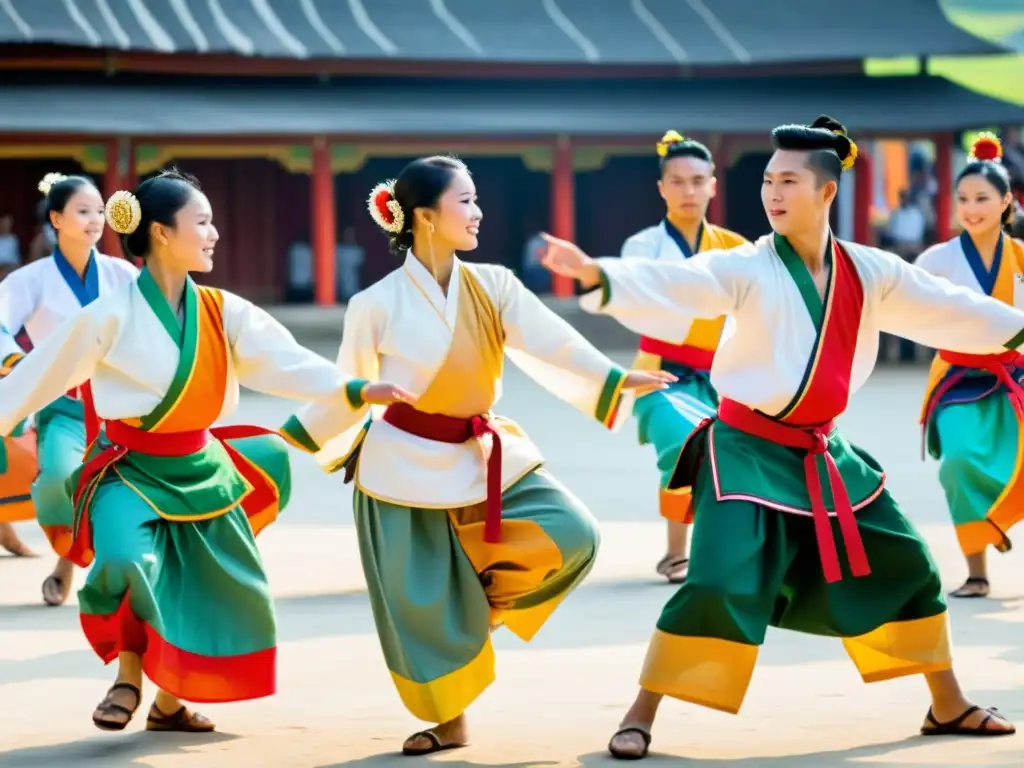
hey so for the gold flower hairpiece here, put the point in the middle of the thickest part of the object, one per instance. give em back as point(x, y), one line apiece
point(123, 212)
point(49, 180)
point(385, 209)
point(670, 138)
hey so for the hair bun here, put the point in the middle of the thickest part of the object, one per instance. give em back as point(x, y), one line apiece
point(829, 124)
point(987, 147)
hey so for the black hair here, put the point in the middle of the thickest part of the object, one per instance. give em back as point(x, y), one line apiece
point(1016, 224)
point(160, 198)
point(56, 199)
point(686, 148)
point(420, 185)
point(824, 140)
point(995, 173)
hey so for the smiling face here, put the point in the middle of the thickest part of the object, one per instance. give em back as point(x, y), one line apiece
point(979, 206)
point(189, 244)
point(81, 222)
point(687, 185)
point(793, 196)
point(456, 217)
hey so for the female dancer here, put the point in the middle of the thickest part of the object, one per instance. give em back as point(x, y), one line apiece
point(177, 589)
point(971, 414)
point(451, 545)
point(38, 297)
point(666, 419)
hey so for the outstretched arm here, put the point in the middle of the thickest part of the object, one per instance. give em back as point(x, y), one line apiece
point(652, 297)
point(328, 428)
point(557, 357)
point(930, 310)
point(64, 360)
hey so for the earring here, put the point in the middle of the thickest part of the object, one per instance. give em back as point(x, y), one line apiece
point(431, 227)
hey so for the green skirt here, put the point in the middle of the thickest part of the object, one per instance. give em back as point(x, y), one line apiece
point(60, 432)
point(190, 598)
point(666, 419)
point(437, 589)
point(980, 470)
point(752, 567)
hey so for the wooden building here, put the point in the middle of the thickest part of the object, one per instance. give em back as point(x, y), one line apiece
point(289, 111)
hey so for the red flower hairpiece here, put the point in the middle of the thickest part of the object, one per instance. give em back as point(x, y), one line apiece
point(987, 147)
point(384, 209)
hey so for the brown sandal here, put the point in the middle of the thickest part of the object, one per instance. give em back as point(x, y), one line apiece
point(643, 732)
point(107, 707)
point(434, 746)
point(182, 721)
point(670, 565)
point(965, 591)
point(955, 727)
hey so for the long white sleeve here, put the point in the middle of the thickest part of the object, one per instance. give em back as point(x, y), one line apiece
point(326, 427)
point(559, 358)
point(661, 298)
point(267, 357)
point(64, 360)
point(932, 311)
point(19, 297)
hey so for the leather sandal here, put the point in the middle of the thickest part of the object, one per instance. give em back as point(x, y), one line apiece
point(108, 707)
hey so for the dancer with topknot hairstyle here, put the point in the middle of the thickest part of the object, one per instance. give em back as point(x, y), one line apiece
point(38, 298)
point(973, 405)
point(774, 483)
point(666, 418)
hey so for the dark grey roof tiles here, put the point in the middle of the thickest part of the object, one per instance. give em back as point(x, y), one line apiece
point(599, 31)
point(421, 108)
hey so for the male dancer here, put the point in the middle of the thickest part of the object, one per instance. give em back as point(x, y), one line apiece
point(666, 418)
point(808, 311)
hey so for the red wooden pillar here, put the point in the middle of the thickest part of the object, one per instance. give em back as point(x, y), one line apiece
point(322, 227)
point(716, 208)
point(563, 206)
point(944, 177)
point(120, 174)
point(863, 195)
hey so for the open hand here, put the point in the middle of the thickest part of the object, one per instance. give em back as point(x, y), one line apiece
point(642, 382)
point(386, 393)
point(567, 259)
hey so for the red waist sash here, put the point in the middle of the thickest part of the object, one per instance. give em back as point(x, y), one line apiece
point(451, 429)
point(1000, 366)
point(683, 354)
point(813, 440)
point(92, 422)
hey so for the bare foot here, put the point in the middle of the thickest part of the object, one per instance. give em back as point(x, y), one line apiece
point(946, 720)
point(450, 735)
point(57, 586)
point(9, 540)
point(118, 707)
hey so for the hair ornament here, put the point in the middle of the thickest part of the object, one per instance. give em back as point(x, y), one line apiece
point(987, 147)
point(670, 139)
point(384, 209)
point(851, 156)
point(123, 212)
point(49, 180)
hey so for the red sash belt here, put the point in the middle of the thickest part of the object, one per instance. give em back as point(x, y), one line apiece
point(813, 440)
point(999, 365)
point(450, 429)
point(683, 354)
point(92, 422)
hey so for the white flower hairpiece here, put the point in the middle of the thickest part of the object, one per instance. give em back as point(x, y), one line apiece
point(384, 209)
point(49, 180)
point(123, 212)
